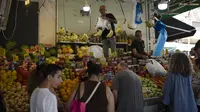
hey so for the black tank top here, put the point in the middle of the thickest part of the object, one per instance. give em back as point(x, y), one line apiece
point(99, 102)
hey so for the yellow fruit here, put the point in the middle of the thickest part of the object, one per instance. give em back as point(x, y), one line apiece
point(71, 51)
point(59, 51)
point(65, 98)
point(65, 50)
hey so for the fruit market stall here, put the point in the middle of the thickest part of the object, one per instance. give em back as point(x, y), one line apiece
point(17, 64)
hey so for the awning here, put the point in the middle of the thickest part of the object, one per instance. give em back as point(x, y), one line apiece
point(174, 34)
point(179, 6)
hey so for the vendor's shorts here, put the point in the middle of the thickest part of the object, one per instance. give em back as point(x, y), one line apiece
point(109, 43)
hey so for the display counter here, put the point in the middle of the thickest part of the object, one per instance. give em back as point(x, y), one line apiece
point(151, 104)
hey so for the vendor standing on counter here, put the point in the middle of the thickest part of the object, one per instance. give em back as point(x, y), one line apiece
point(111, 41)
point(138, 46)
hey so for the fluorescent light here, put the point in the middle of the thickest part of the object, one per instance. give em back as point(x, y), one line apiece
point(162, 6)
point(86, 8)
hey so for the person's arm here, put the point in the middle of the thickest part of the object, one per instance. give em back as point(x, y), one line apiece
point(167, 90)
point(110, 97)
point(115, 95)
point(111, 18)
point(136, 54)
point(115, 87)
point(61, 105)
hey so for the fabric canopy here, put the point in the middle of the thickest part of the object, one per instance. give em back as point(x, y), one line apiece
point(174, 34)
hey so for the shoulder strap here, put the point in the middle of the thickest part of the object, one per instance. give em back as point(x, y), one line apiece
point(93, 92)
point(77, 92)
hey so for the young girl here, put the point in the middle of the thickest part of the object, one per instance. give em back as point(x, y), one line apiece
point(42, 98)
point(177, 92)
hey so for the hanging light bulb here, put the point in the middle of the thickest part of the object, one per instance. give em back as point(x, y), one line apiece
point(162, 5)
point(86, 7)
point(27, 2)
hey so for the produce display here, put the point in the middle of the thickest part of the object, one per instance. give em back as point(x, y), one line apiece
point(66, 88)
point(71, 36)
point(150, 89)
point(17, 63)
point(16, 99)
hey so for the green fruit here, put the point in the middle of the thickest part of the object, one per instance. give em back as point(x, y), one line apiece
point(47, 54)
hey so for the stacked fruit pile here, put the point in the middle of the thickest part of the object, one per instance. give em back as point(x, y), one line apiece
point(16, 99)
point(51, 60)
point(150, 89)
point(82, 51)
point(7, 79)
point(4, 65)
point(66, 88)
point(158, 80)
point(65, 49)
point(71, 36)
point(68, 74)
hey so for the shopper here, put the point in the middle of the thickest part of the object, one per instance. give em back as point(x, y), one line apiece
point(102, 100)
point(127, 90)
point(43, 98)
point(196, 78)
point(108, 42)
point(177, 91)
point(138, 46)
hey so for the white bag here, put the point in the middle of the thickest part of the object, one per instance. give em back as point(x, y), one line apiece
point(103, 23)
point(155, 69)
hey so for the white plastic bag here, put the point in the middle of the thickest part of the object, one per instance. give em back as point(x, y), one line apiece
point(103, 23)
point(155, 69)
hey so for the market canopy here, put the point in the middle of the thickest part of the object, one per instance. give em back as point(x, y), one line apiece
point(174, 34)
point(179, 6)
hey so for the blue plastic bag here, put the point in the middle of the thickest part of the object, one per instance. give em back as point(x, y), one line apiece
point(161, 38)
point(138, 14)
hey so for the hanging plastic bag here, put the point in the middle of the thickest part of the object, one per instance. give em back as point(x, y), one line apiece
point(103, 23)
point(138, 13)
point(155, 69)
point(161, 38)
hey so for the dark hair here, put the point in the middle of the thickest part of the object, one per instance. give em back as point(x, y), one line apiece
point(197, 45)
point(136, 32)
point(89, 65)
point(180, 64)
point(40, 74)
point(94, 69)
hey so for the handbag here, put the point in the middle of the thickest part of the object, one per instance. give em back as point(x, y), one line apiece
point(77, 105)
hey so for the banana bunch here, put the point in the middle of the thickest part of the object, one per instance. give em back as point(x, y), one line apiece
point(74, 37)
point(110, 34)
point(84, 38)
point(119, 29)
point(61, 31)
point(149, 24)
point(99, 33)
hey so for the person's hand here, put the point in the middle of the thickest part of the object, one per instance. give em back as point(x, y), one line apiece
point(144, 57)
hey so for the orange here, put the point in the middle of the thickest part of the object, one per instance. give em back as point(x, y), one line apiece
point(69, 85)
